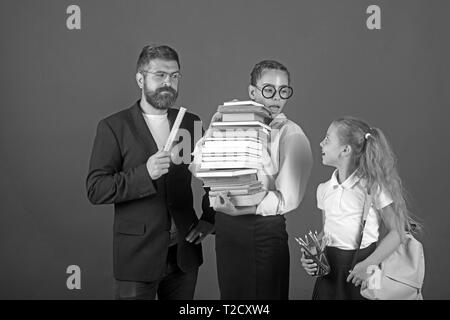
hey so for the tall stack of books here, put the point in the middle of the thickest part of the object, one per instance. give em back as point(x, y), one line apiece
point(232, 152)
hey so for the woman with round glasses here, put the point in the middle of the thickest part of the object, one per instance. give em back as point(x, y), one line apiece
point(251, 242)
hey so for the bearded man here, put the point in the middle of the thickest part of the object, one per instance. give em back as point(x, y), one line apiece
point(156, 235)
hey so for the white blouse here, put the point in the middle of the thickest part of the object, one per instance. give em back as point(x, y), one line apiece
point(285, 175)
point(343, 205)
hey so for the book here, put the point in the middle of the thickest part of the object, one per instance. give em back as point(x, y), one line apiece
point(230, 181)
point(227, 185)
point(239, 133)
point(248, 200)
point(235, 192)
point(232, 154)
point(241, 124)
point(226, 144)
point(259, 110)
point(242, 179)
point(245, 186)
point(231, 158)
point(225, 173)
point(231, 150)
point(231, 165)
point(234, 139)
point(226, 156)
point(243, 200)
point(240, 103)
point(243, 117)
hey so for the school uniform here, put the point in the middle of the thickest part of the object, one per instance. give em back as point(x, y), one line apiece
point(343, 207)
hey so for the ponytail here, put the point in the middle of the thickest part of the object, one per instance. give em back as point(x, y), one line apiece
point(376, 164)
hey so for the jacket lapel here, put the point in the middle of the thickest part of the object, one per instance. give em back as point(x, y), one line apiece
point(142, 131)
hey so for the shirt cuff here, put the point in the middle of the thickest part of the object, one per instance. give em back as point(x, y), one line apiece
point(269, 206)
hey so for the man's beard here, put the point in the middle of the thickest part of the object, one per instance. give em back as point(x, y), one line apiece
point(162, 98)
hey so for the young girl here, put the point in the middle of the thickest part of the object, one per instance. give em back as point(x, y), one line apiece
point(365, 163)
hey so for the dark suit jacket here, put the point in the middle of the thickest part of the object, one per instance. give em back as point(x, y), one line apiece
point(143, 207)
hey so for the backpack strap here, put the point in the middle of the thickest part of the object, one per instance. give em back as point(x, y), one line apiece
point(367, 205)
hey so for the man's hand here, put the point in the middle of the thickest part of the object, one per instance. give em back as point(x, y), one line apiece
point(158, 164)
point(201, 230)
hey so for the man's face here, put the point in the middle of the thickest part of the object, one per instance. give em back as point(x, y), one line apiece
point(275, 78)
point(160, 83)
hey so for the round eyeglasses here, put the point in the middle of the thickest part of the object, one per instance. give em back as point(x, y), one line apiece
point(269, 91)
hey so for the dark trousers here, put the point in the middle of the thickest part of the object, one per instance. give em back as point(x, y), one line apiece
point(174, 285)
point(334, 286)
point(252, 257)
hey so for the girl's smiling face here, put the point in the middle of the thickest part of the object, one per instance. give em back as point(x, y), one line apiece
point(332, 149)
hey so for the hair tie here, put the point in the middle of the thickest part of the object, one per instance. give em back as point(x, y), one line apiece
point(367, 135)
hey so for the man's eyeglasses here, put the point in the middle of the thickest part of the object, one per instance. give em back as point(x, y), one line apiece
point(161, 75)
point(269, 91)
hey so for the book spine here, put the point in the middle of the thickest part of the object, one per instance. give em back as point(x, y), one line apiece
point(241, 124)
point(224, 132)
point(231, 151)
point(230, 165)
point(242, 117)
point(248, 158)
point(232, 144)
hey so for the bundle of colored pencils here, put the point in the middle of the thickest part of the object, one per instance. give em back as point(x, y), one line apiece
point(314, 248)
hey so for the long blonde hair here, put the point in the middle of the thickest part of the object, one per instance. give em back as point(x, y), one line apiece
point(376, 163)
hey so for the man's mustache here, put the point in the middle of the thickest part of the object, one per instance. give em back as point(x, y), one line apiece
point(166, 89)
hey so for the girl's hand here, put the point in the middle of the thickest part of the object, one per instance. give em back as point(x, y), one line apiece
point(359, 274)
point(308, 264)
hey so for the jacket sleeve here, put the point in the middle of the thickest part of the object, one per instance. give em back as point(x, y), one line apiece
point(208, 213)
point(106, 182)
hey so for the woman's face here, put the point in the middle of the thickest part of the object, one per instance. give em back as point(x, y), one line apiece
point(278, 79)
